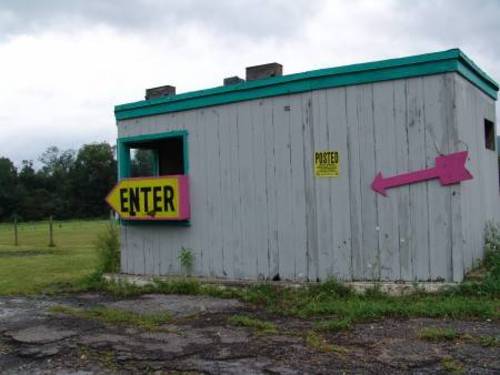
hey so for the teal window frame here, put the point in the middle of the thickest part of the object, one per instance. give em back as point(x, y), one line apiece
point(124, 145)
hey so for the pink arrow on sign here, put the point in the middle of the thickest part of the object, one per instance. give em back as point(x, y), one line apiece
point(450, 169)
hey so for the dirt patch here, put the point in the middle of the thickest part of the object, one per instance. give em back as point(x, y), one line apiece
point(177, 305)
point(39, 334)
point(201, 340)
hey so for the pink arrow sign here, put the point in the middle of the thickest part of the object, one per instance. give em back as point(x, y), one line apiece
point(450, 169)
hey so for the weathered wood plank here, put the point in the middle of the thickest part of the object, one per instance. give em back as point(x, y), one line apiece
point(281, 111)
point(299, 232)
point(124, 256)
point(272, 188)
point(403, 192)
point(479, 200)
point(340, 225)
point(238, 271)
point(322, 186)
point(437, 105)
point(386, 153)
point(227, 121)
point(457, 233)
point(310, 188)
point(367, 162)
point(260, 191)
point(136, 246)
point(357, 251)
point(246, 192)
point(213, 192)
point(419, 214)
point(466, 189)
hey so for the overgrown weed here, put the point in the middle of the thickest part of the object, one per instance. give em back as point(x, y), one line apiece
point(345, 307)
point(489, 268)
point(334, 325)
point(259, 325)
point(452, 366)
point(115, 316)
point(107, 246)
point(438, 334)
point(317, 342)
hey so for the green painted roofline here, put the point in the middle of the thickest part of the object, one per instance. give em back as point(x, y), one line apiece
point(452, 60)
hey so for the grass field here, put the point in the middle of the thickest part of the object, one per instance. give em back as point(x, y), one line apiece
point(34, 267)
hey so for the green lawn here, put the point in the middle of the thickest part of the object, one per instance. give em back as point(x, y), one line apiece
point(34, 267)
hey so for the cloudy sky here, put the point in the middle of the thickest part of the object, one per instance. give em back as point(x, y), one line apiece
point(64, 64)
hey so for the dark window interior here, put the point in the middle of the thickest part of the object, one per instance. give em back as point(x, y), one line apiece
point(168, 153)
point(171, 156)
point(489, 134)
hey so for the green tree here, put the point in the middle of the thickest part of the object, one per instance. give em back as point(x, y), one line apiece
point(55, 174)
point(34, 200)
point(8, 184)
point(27, 176)
point(92, 175)
point(143, 163)
point(56, 162)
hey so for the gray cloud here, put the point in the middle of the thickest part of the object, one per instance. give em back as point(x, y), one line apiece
point(253, 19)
point(110, 50)
point(455, 23)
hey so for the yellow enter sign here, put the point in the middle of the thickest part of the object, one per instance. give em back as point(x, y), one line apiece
point(151, 198)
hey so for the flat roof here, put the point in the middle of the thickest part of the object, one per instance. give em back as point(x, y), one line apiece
point(453, 60)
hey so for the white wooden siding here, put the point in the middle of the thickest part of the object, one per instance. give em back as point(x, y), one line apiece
point(258, 211)
point(479, 198)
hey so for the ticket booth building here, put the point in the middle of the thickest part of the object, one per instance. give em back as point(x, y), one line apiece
point(337, 172)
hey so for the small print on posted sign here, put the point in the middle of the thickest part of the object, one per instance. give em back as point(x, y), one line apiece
point(326, 163)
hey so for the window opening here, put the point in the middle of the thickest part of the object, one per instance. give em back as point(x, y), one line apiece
point(143, 163)
point(489, 134)
point(158, 158)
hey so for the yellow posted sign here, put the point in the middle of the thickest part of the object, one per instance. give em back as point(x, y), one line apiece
point(151, 198)
point(326, 163)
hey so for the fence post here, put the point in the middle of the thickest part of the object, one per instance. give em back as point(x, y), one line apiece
point(51, 234)
point(112, 217)
point(16, 239)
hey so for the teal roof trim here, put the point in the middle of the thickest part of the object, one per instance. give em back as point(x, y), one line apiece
point(452, 60)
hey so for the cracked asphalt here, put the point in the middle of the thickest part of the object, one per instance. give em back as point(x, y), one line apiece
point(199, 340)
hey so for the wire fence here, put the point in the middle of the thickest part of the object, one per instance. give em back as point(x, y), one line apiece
point(48, 232)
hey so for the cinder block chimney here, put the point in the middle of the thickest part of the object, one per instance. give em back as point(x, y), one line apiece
point(159, 92)
point(264, 71)
point(233, 80)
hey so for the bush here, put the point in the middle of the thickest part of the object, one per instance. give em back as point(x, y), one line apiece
point(490, 268)
point(108, 250)
point(186, 258)
point(331, 288)
point(492, 251)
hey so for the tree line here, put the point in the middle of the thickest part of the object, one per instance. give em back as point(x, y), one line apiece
point(69, 184)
